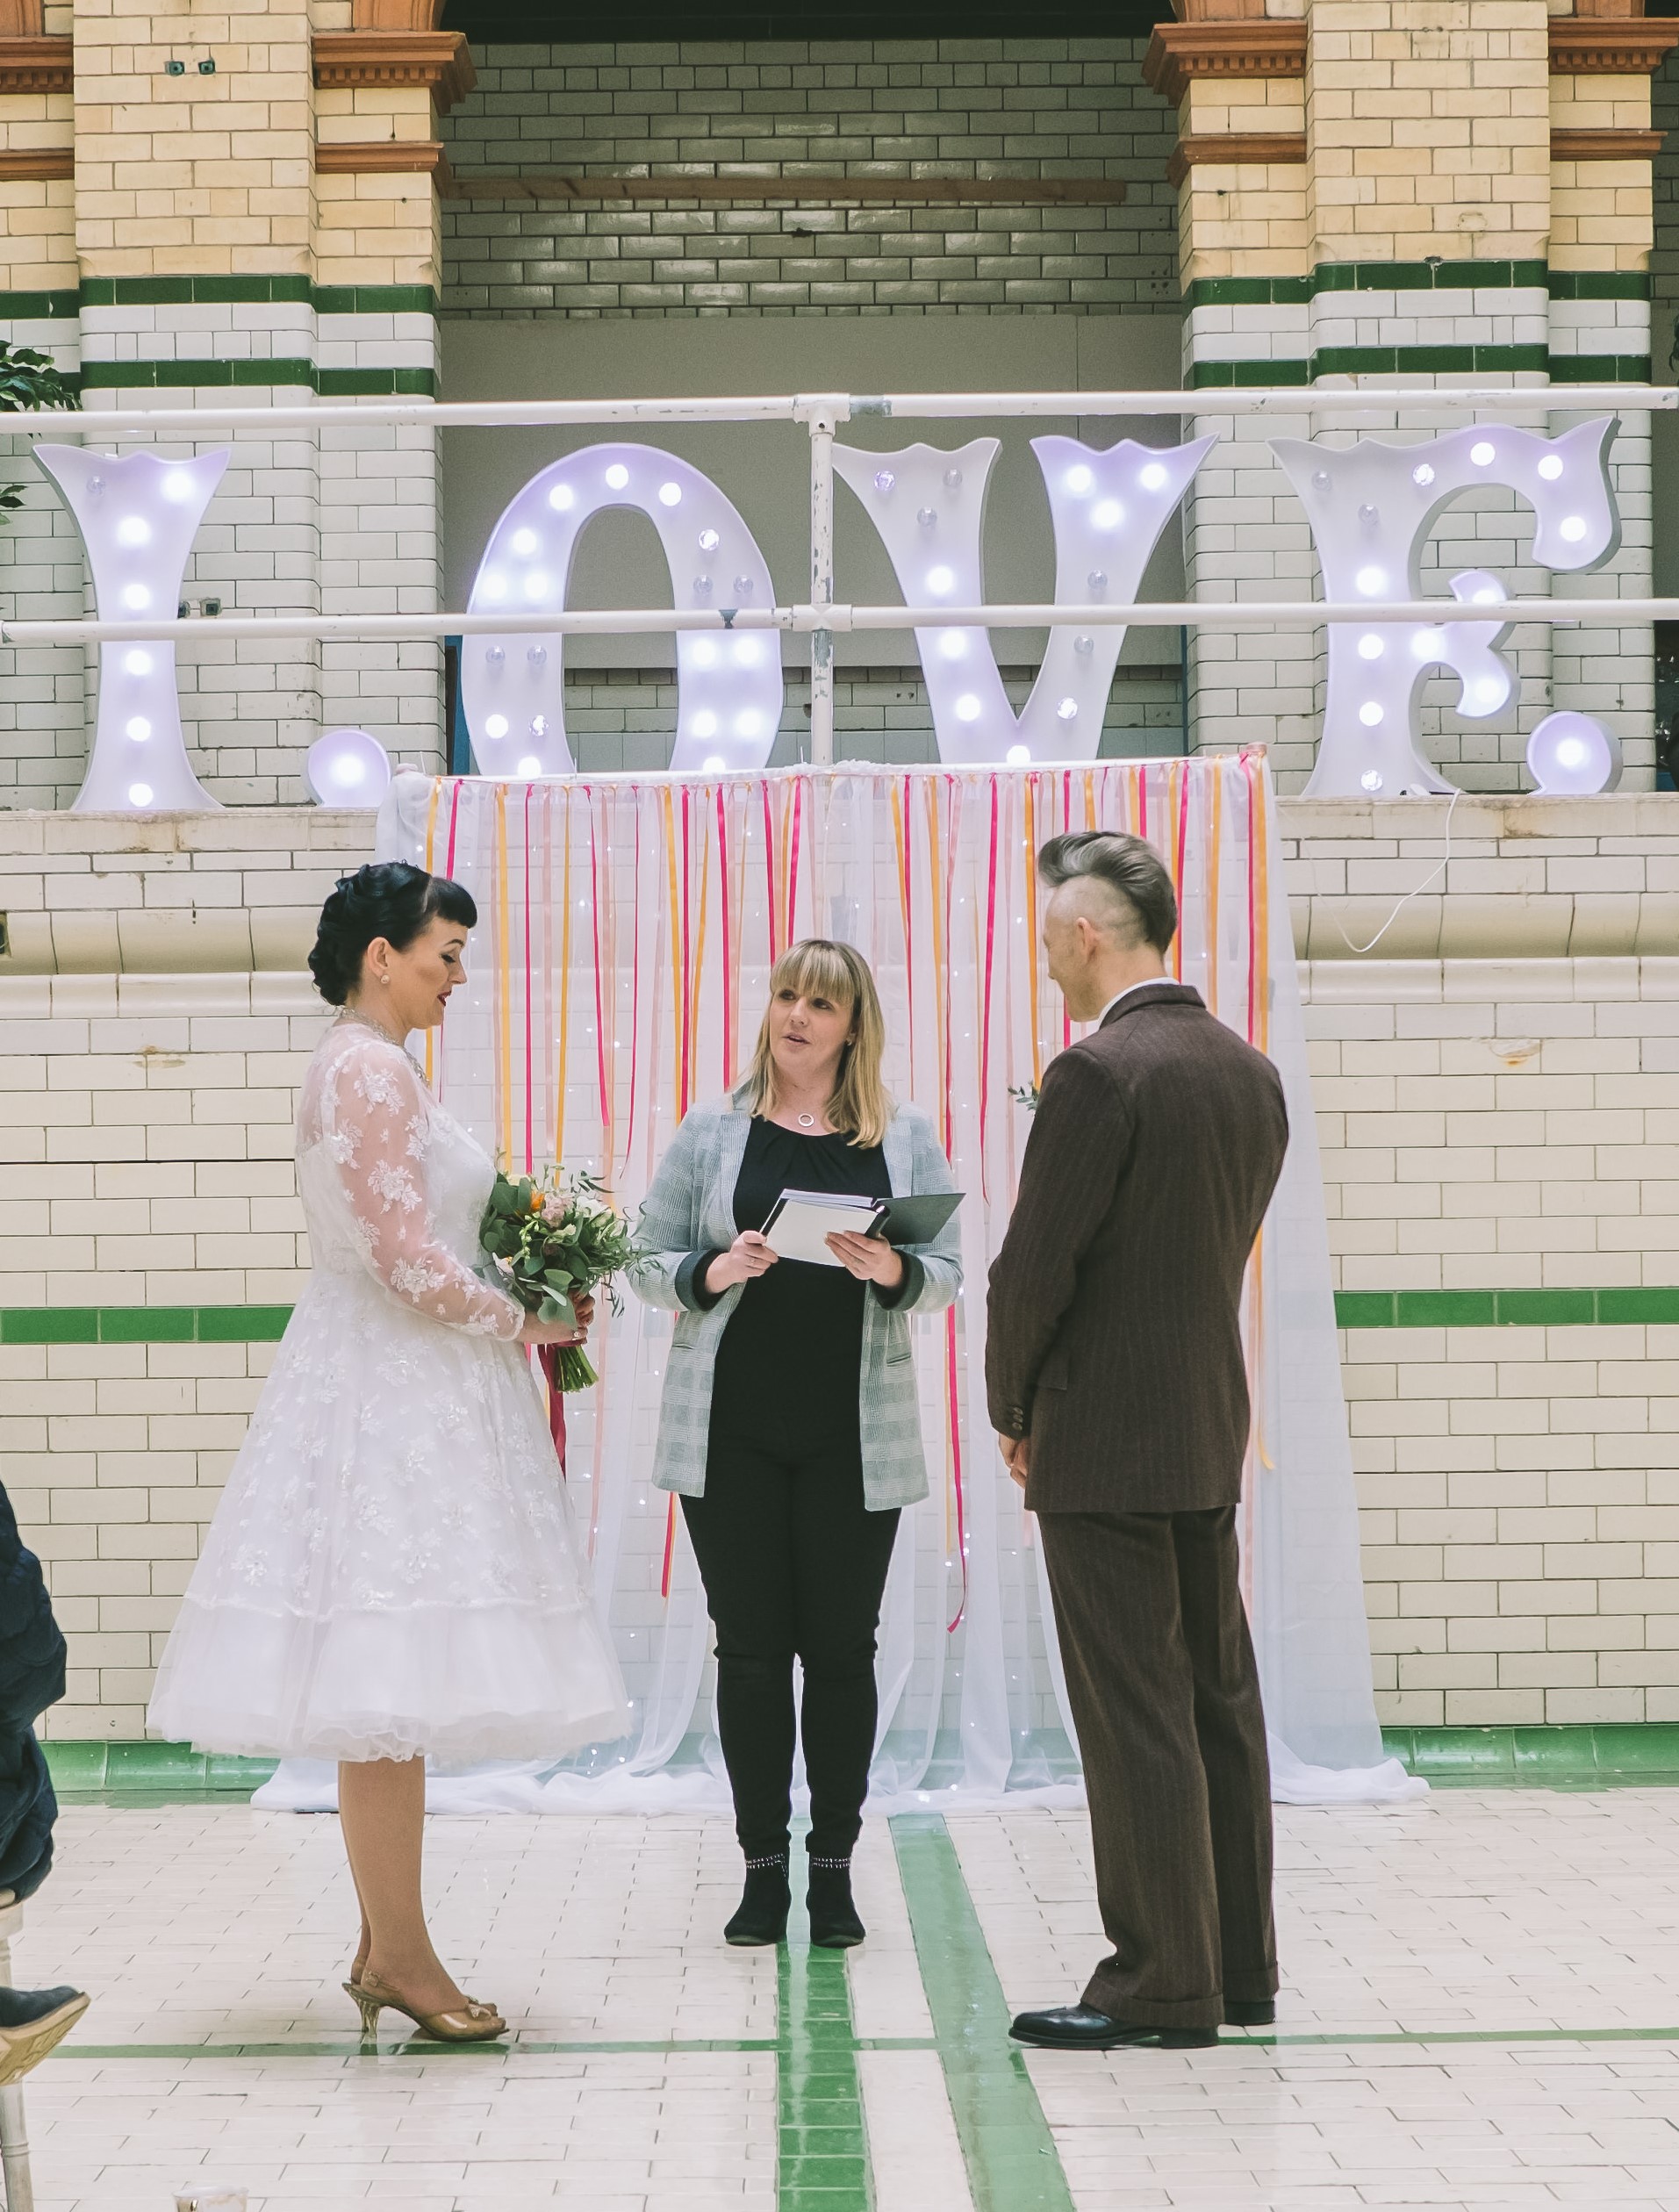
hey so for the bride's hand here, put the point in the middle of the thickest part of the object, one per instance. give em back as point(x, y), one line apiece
point(536, 1331)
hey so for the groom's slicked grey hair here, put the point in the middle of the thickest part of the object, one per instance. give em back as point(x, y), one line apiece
point(1142, 906)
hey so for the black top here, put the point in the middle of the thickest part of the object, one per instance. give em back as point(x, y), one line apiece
point(800, 1327)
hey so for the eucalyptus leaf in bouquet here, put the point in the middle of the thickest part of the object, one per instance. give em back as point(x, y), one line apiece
point(551, 1240)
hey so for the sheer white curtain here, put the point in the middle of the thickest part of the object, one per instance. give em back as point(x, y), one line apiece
point(619, 971)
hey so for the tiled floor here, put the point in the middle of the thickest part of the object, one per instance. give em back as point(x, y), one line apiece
point(1482, 2008)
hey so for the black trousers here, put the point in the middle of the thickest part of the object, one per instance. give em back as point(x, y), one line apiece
point(794, 1565)
point(1165, 1698)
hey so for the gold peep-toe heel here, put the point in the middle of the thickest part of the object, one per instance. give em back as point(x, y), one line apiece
point(479, 2023)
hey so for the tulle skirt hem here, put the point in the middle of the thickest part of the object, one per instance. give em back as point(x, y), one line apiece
point(455, 1686)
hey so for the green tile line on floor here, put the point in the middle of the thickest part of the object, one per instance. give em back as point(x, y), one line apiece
point(1562, 1755)
point(1652, 1305)
point(119, 1772)
point(821, 2144)
point(1006, 2147)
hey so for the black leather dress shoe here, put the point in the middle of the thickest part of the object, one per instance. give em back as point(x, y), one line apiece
point(1261, 2012)
point(1081, 2027)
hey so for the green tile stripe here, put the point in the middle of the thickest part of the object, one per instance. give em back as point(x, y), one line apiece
point(1422, 360)
point(1580, 1755)
point(143, 1324)
point(1445, 275)
point(822, 2147)
point(1654, 1307)
point(1006, 2142)
point(153, 1769)
point(243, 291)
point(1567, 369)
point(204, 375)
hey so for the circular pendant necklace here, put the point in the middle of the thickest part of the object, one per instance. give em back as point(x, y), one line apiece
point(806, 1121)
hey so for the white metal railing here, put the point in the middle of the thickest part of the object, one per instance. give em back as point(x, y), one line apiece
point(821, 414)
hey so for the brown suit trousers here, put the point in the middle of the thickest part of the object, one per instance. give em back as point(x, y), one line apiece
point(1165, 1695)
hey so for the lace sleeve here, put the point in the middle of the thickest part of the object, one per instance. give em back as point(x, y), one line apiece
point(375, 1127)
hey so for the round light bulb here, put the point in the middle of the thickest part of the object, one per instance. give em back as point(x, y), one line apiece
point(1370, 647)
point(1084, 644)
point(670, 495)
point(136, 595)
point(1573, 527)
point(714, 763)
point(561, 498)
point(1421, 473)
point(617, 475)
point(1369, 515)
point(1107, 514)
point(705, 723)
point(1551, 467)
point(496, 726)
point(539, 725)
point(536, 584)
point(1489, 692)
point(1483, 453)
point(703, 653)
point(1570, 753)
point(140, 795)
point(884, 480)
point(1097, 580)
point(537, 656)
point(524, 543)
point(1067, 711)
point(133, 530)
point(1320, 479)
point(493, 655)
point(1154, 478)
point(1371, 780)
point(1018, 756)
point(1488, 595)
point(493, 585)
point(940, 580)
point(348, 771)
point(967, 708)
point(709, 541)
point(1369, 714)
point(178, 486)
point(530, 765)
point(743, 587)
point(1079, 480)
point(138, 728)
point(953, 645)
point(137, 663)
point(748, 653)
point(749, 724)
point(952, 479)
point(1427, 643)
point(702, 587)
point(1371, 581)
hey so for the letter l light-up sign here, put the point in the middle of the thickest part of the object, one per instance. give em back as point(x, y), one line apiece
point(138, 517)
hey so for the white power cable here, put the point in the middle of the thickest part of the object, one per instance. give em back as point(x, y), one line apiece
point(1445, 858)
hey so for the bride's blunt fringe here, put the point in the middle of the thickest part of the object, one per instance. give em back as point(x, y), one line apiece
point(388, 899)
point(820, 968)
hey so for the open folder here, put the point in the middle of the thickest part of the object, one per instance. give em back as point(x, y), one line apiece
point(801, 1221)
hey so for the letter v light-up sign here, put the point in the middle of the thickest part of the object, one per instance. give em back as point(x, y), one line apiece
point(138, 517)
point(729, 687)
point(1108, 508)
point(1371, 506)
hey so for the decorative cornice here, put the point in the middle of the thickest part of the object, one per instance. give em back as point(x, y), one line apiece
point(35, 65)
point(440, 59)
point(384, 157)
point(38, 165)
point(1249, 148)
point(1606, 146)
point(1611, 46)
point(1179, 52)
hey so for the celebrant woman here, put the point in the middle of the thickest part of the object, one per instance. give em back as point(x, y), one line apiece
point(391, 1574)
point(789, 1425)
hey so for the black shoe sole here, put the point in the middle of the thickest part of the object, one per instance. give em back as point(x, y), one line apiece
point(835, 1939)
point(1250, 2016)
point(1167, 2039)
point(756, 1943)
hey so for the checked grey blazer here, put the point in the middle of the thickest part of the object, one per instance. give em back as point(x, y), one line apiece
point(690, 1210)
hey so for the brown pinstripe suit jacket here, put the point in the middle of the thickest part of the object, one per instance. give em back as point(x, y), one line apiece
point(1115, 1337)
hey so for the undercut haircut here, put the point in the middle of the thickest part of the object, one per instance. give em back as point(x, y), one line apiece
point(1127, 866)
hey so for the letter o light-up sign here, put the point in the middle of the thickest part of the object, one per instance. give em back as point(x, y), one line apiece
point(730, 690)
point(1371, 506)
point(1109, 507)
point(138, 517)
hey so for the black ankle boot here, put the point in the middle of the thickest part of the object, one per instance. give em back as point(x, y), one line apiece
point(761, 1916)
point(834, 1923)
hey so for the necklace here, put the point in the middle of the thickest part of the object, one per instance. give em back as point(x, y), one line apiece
point(355, 1014)
point(806, 1121)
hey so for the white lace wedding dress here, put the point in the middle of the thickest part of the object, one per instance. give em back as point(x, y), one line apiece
point(391, 1570)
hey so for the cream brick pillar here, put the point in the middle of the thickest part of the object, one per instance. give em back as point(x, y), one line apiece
point(1368, 190)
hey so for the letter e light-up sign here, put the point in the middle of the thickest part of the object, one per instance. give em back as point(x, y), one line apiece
point(138, 517)
point(1108, 508)
point(1371, 506)
point(729, 687)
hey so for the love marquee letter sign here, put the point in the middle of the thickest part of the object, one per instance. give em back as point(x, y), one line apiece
point(1371, 505)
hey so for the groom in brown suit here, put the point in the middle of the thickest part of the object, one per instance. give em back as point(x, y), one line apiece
point(1119, 1394)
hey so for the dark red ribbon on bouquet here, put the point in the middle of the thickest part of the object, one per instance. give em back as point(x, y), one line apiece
point(549, 1356)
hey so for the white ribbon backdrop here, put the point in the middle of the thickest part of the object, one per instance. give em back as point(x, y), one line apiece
point(619, 971)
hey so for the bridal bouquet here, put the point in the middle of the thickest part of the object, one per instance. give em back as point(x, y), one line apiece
point(553, 1238)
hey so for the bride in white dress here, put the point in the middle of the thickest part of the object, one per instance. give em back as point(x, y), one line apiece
point(391, 1573)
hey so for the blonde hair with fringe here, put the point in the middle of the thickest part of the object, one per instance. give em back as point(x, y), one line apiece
point(861, 1105)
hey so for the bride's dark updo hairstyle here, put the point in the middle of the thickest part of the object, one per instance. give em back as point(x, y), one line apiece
point(388, 899)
